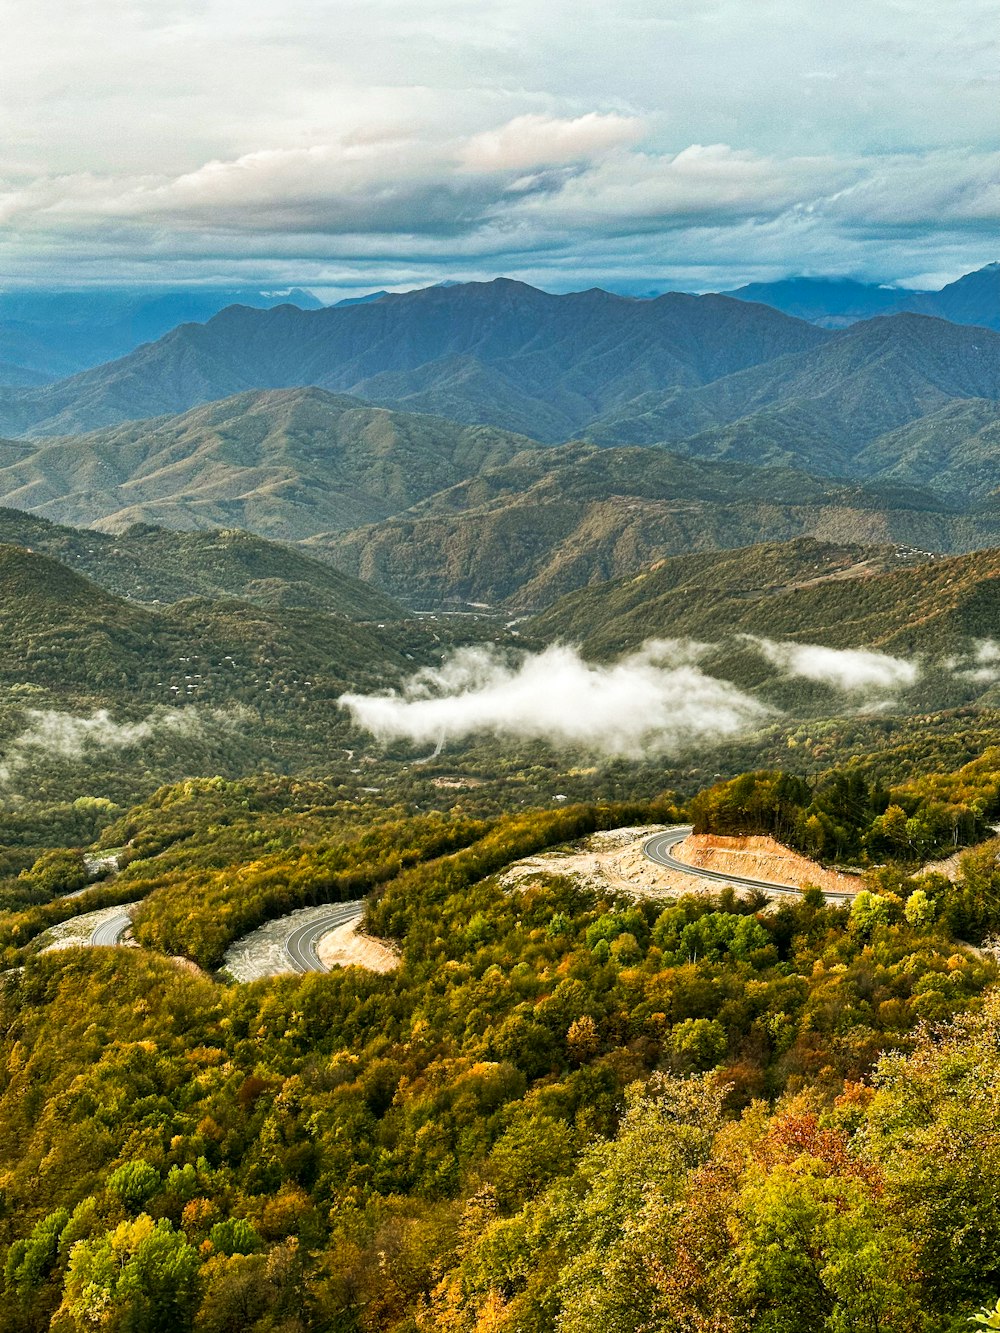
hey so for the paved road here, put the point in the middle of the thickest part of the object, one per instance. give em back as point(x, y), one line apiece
point(659, 847)
point(110, 932)
point(302, 942)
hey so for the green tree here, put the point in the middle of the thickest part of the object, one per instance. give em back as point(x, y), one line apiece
point(139, 1278)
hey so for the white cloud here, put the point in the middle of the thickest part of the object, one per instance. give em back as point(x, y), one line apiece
point(532, 141)
point(390, 142)
point(981, 664)
point(850, 669)
point(51, 734)
point(655, 701)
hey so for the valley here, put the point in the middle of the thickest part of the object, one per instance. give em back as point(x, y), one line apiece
point(474, 757)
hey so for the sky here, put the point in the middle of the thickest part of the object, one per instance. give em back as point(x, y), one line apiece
point(638, 145)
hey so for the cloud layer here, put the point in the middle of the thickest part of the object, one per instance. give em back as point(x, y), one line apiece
point(386, 142)
point(853, 670)
point(656, 701)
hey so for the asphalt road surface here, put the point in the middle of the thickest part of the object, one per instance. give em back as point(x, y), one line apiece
point(110, 932)
point(659, 847)
point(302, 942)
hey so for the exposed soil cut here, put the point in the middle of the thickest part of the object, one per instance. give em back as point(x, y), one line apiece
point(762, 858)
point(348, 946)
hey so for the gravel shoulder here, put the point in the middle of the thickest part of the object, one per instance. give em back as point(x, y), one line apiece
point(616, 861)
point(78, 931)
point(338, 942)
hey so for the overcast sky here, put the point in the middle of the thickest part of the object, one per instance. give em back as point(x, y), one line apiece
point(637, 144)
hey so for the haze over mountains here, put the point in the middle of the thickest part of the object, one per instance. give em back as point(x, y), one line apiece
point(838, 302)
point(499, 353)
point(430, 442)
point(46, 335)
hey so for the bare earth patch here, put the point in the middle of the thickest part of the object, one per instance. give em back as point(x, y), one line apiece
point(615, 861)
point(609, 860)
point(76, 932)
point(348, 946)
point(762, 858)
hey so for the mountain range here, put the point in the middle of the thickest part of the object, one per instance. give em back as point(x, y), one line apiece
point(416, 441)
point(838, 302)
point(550, 520)
point(813, 592)
point(499, 353)
point(713, 377)
point(285, 463)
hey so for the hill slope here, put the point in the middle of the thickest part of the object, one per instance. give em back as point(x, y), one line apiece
point(148, 564)
point(821, 408)
point(804, 590)
point(553, 520)
point(286, 463)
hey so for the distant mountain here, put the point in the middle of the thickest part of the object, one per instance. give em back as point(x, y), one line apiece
point(499, 353)
point(709, 377)
point(21, 377)
point(820, 409)
point(287, 464)
point(954, 451)
point(805, 590)
point(360, 300)
point(533, 529)
point(52, 334)
point(837, 302)
point(972, 299)
point(832, 303)
point(149, 564)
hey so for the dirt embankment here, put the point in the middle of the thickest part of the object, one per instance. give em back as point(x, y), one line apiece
point(616, 861)
point(347, 946)
point(762, 858)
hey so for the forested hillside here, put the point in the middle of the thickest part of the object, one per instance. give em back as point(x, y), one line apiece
point(554, 520)
point(804, 590)
point(287, 464)
point(151, 564)
point(554, 1083)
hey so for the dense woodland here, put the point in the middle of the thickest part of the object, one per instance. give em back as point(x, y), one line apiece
point(562, 1108)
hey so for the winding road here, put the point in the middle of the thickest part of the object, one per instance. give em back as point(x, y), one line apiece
point(302, 943)
point(658, 848)
point(109, 933)
point(289, 943)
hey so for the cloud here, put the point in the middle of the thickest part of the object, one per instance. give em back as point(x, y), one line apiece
point(655, 701)
point(533, 141)
point(51, 734)
point(981, 664)
point(396, 142)
point(853, 670)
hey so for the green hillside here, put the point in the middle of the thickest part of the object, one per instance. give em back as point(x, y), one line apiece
point(533, 529)
point(953, 451)
point(286, 463)
point(150, 564)
point(65, 634)
point(804, 590)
